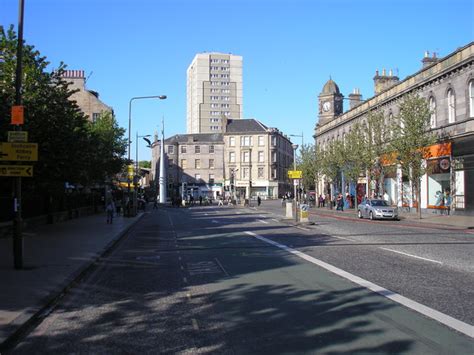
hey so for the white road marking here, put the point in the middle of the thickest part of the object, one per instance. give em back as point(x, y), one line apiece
point(188, 295)
point(195, 324)
point(303, 229)
point(342, 238)
point(222, 267)
point(185, 280)
point(214, 221)
point(275, 220)
point(262, 221)
point(413, 256)
point(418, 307)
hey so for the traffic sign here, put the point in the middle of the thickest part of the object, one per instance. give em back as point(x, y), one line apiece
point(17, 115)
point(295, 174)
point(18, 151)
point(18, 136)
point(16, 170)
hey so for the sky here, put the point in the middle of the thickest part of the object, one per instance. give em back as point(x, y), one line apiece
point(290, 48)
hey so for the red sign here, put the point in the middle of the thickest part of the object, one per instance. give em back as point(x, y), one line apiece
point(18, 115)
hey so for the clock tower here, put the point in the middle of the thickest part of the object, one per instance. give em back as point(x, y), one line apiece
point(330, 102)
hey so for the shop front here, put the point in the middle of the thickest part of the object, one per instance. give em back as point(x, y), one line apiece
point(463, 172)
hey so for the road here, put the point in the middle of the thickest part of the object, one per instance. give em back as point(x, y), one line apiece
point(232, 280)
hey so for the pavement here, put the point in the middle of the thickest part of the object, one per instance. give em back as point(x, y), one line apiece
point(57, 255)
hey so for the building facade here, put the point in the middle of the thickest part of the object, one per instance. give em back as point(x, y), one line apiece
point(249, 159)
point(214, 92)
point(87, 100)
point(448, 86)
point(256, 160)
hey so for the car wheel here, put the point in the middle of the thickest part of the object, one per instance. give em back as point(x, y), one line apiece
point(371, 216)
point(359, 214)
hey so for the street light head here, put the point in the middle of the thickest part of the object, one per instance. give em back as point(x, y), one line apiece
point(294, 146)
point(162, 97)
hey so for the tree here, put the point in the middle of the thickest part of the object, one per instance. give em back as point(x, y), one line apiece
point(333, 160)
point(144, 164)
point(306, 163)
point(411, 139)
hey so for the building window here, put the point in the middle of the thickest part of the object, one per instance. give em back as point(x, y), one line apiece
point(197, 149)
point(471, 98)
point(246, 141)
point(438, 182)
point(274, 141)
point(184, 164)
point(214, 105)
point(246, 156)
point(211, 149)
point(261, 141)
point(451, 106)
point(261, 156)
point(170, 149)
point(211, 163)
point(274, 173)
point(95, 117)
point(214, 90)
point(232, 157)
point(274, 157)
point(245, 173)
point(214, 128)
point(215, 113)
point(231, 141)
point(260, 173)
point(170, 163)
point(197, 164)
point(211, 178)
point(225, 98)
point(225, 91)
point(225, 83)
point(225, 105)
point(183, 149)
point(432, 104)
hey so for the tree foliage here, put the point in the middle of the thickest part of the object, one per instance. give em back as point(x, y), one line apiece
point(411, 139)
point(70, 149)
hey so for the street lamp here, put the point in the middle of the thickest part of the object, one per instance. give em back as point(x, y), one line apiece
point(295, 146)
point(160, 97)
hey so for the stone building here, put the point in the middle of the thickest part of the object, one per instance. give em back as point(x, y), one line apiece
point(257, 159)
point(87, 100)
point(249, 159)
point(448, 86)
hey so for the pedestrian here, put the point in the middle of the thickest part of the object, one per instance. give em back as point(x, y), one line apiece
point(155, 203)
point(221, 201)
point(109, 209)
point(200, 200)
point(259, 200)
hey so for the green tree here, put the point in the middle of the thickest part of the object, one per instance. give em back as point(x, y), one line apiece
point(333, 160)
point(306, 162)
point(144, 164)
point(411, 139)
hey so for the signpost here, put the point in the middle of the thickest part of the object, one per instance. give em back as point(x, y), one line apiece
point(18, 136)
point(18, 151)
point(16, 170)
point(295, 174)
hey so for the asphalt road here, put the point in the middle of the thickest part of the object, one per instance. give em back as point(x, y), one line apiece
point(231, 280)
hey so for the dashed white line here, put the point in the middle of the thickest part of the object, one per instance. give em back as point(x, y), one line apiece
point(413, 256)
point(262, 221)
point(275, 220)
point(303, 229)
point(343, 238)
point(195, 324)
point(214, 221)
point(449, 321)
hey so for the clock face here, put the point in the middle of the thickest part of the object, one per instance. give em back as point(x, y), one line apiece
point(326, 106)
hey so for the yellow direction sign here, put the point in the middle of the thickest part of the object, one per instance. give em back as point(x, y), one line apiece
point(16, 170)
point(18, 151)
point(18, 136)
point(295, 174)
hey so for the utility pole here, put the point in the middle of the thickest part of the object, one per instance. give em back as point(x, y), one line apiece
point(17, 221)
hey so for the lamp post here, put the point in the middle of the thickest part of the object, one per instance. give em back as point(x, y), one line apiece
point(301, 149)
point(295, 198)
point(160, 97)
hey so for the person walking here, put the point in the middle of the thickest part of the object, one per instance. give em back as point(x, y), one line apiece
point(109, 209)
point(259, 200)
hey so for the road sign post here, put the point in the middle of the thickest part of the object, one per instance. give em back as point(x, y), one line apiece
point(16, 170)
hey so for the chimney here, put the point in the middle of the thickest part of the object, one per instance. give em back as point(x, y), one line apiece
point(355, 99)
point(384, 82)
point(428, 61)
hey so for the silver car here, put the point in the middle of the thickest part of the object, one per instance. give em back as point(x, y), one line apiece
point(377, 209)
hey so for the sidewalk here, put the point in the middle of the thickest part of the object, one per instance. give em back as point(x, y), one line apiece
point(54, 256)
point(428, 219)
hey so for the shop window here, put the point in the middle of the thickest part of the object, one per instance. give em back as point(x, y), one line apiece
point(471, 98)
point(439, 188)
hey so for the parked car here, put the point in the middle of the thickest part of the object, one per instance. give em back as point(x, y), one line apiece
point(377, 209)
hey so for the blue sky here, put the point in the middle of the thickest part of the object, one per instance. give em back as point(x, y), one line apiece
point(289, 48)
